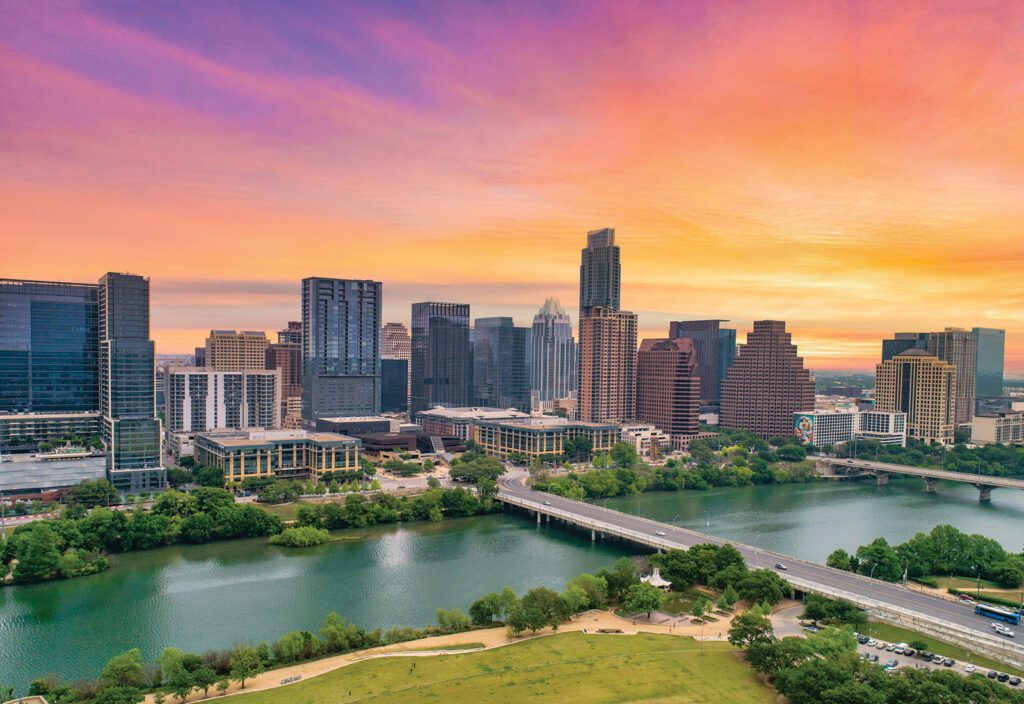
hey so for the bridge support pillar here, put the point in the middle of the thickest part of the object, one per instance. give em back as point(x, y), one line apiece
point(929, 485)
point(984, 492)
point(538, 517)
point(882, 479)
point(593, 536)
point(547, 518)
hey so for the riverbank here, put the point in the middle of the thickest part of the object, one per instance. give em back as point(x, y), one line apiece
point(490, 638)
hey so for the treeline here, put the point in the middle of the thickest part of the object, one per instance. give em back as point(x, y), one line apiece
point(72, 546)
point(989, 460)
point(127, 678)
point(945, 550)
point(359, 512)
point(824, 668)
point(720, 567)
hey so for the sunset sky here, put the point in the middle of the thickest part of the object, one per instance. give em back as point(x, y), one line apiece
point(854, 168)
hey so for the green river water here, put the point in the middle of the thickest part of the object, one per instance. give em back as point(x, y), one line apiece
point(211, 596)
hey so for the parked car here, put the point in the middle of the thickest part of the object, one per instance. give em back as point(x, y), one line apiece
point(969, 669)
point(863, 640)
point(966, 597)
point(891, 663)
point(880, 645)
point(898, 650)
point(949, 662)
point(891, 647)
point(1002, 677)
point(926, 656)
point(992, 674)
point(811, 629)
point(872, 643)
point(873, 657)
point(909, 652)
point(1014, 681)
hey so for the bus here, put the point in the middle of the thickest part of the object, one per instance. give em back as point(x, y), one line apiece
point(998, 614)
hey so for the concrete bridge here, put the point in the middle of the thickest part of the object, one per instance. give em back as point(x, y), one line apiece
point(934, 616)
point(882, 471)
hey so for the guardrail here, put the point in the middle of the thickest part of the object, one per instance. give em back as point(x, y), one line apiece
point(972, 640)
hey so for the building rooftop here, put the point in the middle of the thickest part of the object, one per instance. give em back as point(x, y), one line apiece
point(247, 438)
point(475, 413)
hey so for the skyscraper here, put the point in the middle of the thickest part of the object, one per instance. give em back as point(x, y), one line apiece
point(716, 350)
point(991, 344)
point(285, 355)
point(131, 430)
point(442, 365)
point(198, 400)
point(959, 347)
point(236, 351)
point(49, 347)
point(291, 335)
point(903, 341)
point(607, 365)
point(553, 353)
point(668, 388)
point(394, 385)
point(340, 348)
point(600, 272)
point(766, 384)
point(395, 343)
point(922, 386)
point(499, 364)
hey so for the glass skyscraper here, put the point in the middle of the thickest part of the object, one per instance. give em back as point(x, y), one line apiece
point(991, 349)
point(716, 350)
point(49, 348)
point(500, 379)
point(442, 358)
point(340, 348)
point(131, 430)
point(553, 364)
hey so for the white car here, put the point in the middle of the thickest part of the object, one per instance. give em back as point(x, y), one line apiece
point(872, 643)
point(969, 669)
point(661, 532)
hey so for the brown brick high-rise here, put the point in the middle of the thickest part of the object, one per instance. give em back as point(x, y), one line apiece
point(668, 388)
point(766, 384)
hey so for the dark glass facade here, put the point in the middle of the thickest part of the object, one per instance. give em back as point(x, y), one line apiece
point(716, 350)
point(991, 351)
point(49, 348)
point(442, 364)
point(394, 385)
point(500, 379)
point(131, 430)
point(600, 271)
point(340, 348)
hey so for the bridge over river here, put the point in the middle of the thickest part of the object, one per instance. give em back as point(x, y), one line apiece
point(931, 477)
point(940, 618)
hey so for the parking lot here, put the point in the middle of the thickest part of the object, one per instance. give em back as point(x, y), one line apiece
point(880, 652)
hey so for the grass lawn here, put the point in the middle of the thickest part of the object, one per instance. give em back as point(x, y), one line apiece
point(569, 667)
point(457, 646)
point(286, 512)
point(969, 585)
point(895, 634)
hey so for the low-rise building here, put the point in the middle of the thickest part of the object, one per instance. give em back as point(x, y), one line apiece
point(1006, 428)
point(29, 429)
point(285, 454)
point(830, 428)
point(357, 425)
point(537, 436)
point(886, 427)
point(649, 441)
point(441, 420)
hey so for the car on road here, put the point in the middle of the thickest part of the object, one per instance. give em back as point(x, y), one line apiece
point(1002, 677)
point(969, 669)
point(547, 503)
point(660, 532)
point(949, 662)
point(780, 566)
point(1004, 631)
point(1014, 681)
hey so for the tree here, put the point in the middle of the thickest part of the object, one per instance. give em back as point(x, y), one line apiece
point(543, 607)
point(840, 560)
point(119, 695)
point(178, 477)
point(643, 597)
point(37, 553)
point(222, 686)
point(621, 578)
point(698, 609)
point(245, 663)
point(763, 585)
point(575, 599)
point(748, 628)
point(124, 670)
point(878, 559)
point(433, 482)
point(596, 589)
point(730, 596)
point(208, 476)
point(205, 678)
point(624, 455)
point(92, 492)
point(484, 610)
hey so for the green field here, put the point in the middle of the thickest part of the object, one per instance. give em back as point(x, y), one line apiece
point(569, 667)
point(895, 634)
point(457, 646)
point(966, 584)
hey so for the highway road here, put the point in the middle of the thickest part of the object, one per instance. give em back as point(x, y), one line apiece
point(825, 577)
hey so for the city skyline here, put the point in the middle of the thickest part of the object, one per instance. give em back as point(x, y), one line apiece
point(822, 165)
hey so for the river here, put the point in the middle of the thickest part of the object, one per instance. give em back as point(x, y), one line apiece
point(211, 596)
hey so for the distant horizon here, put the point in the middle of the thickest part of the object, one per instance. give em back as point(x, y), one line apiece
point(852, 169)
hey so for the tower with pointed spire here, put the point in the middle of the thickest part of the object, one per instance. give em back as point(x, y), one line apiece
point(553, 353)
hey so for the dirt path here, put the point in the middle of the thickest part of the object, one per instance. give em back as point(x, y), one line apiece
point(490, 638)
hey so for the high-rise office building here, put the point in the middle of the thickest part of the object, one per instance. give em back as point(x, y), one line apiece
point(959, 347)
point(442, 357)
point(922, 386)
point(552, 354)
point(606, 385)
point(394, 385)
point(499, 364)
point(668, 388)
point(903, 341)
point(286, 358)
point(340, 348)
point(131, 430)
point(991, 344)
point(199, 357)
point(49, 347)
point(198, 400)
point(716, 350)
point(291, 335)
point(600, 271)
point(395, 343)
point(235, 351)
point(766, 384)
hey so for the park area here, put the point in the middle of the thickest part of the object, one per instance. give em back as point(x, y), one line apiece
point(568, 667)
